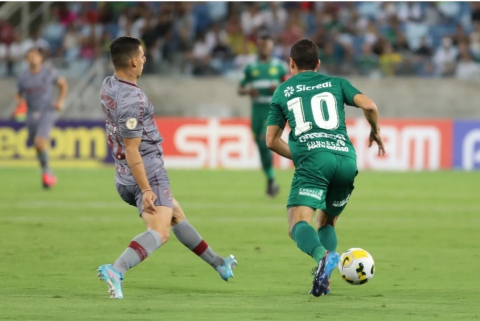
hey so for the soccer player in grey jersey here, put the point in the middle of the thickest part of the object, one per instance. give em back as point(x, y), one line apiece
point(35, 85)
point(141, 178)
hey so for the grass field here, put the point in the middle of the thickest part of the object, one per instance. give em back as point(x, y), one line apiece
point(423, 229)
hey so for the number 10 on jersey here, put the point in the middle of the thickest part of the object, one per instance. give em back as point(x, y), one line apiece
point(327, 121)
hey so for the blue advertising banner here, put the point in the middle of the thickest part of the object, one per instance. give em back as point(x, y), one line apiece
point(73, 142)
point(466, 144)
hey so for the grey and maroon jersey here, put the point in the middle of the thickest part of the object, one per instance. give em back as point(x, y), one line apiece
point(37, 89)
point(129, 114)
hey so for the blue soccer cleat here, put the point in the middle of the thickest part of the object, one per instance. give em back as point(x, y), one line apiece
point(114, 280)
point(320, 278)
point(332, 262)
point(226, 270)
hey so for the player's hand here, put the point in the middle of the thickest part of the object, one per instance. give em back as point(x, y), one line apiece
point(254, 93)
point(377, 137)
point(148, 202)
point(59, 105)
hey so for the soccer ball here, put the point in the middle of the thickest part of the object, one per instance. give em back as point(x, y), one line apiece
point(356, 266)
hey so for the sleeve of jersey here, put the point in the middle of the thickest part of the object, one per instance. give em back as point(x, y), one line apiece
point(275, 114)
point(130, 112)
point(348, 92)
point(246, 77)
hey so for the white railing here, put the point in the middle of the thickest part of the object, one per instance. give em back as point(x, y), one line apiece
point(83, 100)
point(10, 8)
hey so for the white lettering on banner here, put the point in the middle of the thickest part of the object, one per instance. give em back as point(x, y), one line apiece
point(214, 145)
point(470, 155)
point(424, 140)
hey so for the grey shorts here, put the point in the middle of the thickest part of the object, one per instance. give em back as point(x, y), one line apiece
point(160, 184)
point(39, 124)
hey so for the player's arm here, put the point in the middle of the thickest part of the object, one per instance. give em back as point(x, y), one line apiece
point(353, 97)
point(130, 128)
point(275, 142)
point(370, 111)
point(275, 124)
point(244, 88)
point(63, 89)
point(135, 162)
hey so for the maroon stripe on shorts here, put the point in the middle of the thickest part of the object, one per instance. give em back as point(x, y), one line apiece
point(139, 249)
point(200, 248)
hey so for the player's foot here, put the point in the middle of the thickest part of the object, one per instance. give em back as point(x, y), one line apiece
point(226, 270)
point(332, 262)
point(320, 279)
point(49, 180)
point(272, 188)
point(114, 280)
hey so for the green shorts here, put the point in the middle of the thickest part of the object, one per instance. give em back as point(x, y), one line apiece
point(323, 181)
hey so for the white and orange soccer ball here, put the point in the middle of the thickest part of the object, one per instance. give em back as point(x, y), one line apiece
point(356, 266)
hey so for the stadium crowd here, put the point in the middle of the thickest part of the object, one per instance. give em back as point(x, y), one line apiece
point(427, 39)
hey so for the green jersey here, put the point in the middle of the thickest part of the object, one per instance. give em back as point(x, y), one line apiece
point(262, 76)
point(313, 105)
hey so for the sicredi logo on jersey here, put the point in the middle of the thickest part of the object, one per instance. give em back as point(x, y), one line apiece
point(290, 90)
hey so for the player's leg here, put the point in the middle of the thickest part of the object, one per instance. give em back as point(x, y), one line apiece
point(300, 230)
point(41, 142)
point(266, 157)
point(189, 237)
point(338, 194)
point(157, 234)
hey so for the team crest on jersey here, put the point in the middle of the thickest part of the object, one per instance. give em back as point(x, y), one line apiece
point(273, 71)
point(288, 91)
point(167, 193)
point(131, 123)
point(255, 72)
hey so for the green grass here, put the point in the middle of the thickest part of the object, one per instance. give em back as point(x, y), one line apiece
point(423, 229)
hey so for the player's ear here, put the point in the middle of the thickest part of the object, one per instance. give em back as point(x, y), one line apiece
point(318, 64)
point(292, 63)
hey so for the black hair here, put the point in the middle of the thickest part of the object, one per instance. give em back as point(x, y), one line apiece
point(305, 54)
point(122, 50)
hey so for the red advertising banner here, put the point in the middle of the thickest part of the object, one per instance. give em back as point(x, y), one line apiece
point(228, 143)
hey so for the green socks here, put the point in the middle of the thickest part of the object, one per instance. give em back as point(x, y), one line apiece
point(328, 237)
point(307, 240)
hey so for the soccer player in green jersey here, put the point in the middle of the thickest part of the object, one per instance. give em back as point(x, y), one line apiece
point(260, 81)
point(324, 158)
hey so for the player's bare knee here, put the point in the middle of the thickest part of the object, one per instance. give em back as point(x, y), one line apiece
point(40, 144)
point(178, 214)
point(324, 219)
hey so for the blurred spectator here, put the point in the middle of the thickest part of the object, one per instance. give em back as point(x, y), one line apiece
point(202, 56)
point(252, 19)
point(445, 58)
point(71, 44)
point(400, 37)
point(367, 61)
point(409, 11)
point(475, 41)
point(64, 15)
point(275, 18)
point(7, 34)
point(475, 11)
point(425, 50)
point(389, 60)
point(35, 41)
point(467, 68)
